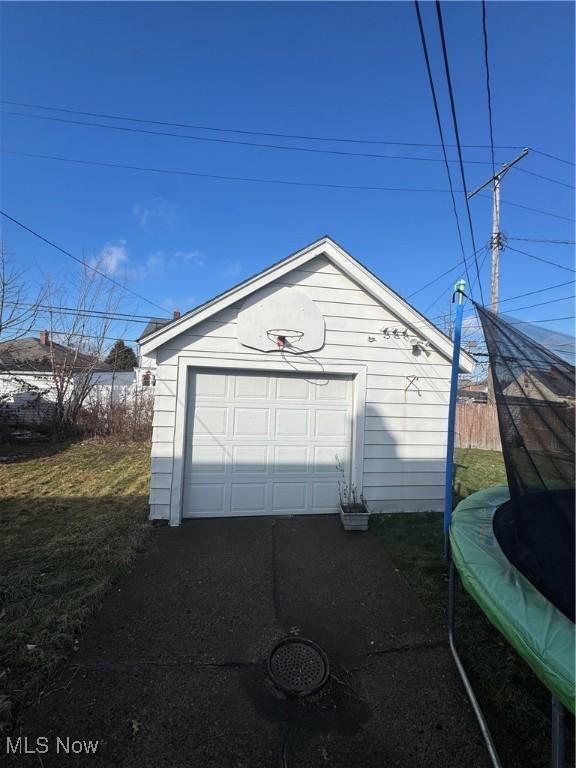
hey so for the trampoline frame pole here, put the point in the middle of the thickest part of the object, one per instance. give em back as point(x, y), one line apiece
point(557, 723)
point(457, 296)
point(459, 293)
point(486, 735)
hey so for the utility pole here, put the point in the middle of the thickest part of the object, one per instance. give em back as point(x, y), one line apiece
point(496, 241)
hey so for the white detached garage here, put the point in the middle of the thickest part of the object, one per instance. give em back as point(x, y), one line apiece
point(261, 391)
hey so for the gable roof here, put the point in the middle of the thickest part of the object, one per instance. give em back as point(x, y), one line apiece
point(153, 325)
point(340, 258)
point(28, 354)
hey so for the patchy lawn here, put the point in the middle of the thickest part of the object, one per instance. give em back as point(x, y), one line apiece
point(72, 517)
point(514, 701)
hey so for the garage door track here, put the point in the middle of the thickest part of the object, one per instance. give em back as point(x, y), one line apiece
point(172, 671)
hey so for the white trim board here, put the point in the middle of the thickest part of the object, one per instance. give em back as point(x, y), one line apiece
point(344, 261)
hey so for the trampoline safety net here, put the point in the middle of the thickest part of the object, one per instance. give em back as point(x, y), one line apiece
point(535, 397)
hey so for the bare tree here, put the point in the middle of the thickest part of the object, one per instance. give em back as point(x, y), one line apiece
point(19, 308)
point(78, 339)
point(19, 305)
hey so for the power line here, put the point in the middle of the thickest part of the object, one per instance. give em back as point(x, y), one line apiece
point(221, 129)
point(435, 280)
point(541, 176)
point(457, 135)
point(502, 301)
point(441, 132)
point(63, 333)
point(95, 313)
point(541, 303)
point(256, 180)
point(539, 290)
point(544, 320)
point(541, 240)
point(539, 258)
point(534, 210)
point(371, 155)
point(223, 177)
point(530, 306)
point(552, 157)
point(486, 254)
point(75, 258)
point(489, 94)
point(259, 145)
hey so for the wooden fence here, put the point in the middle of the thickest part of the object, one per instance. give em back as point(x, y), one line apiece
point(477, 426)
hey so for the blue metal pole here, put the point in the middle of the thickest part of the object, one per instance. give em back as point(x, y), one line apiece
point(459, 298)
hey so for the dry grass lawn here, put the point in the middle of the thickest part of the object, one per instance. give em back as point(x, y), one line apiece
point(72, 517)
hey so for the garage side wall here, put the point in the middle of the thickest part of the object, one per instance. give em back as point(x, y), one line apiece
point(406, 397)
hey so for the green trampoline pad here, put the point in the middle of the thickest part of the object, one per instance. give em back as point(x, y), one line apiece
point(539, 632)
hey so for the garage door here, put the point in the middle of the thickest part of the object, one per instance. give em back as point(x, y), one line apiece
point(265, 445)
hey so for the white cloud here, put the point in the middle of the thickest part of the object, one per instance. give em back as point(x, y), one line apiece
point(160, 261)
point(112, 257)
point(196, 258)
point(158, 212)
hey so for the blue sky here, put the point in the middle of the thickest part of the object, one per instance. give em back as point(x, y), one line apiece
point(351, 70)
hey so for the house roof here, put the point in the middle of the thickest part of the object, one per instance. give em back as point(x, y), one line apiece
point(154, 324)
point(554, 381)
point(330, 249)
point(28, 354)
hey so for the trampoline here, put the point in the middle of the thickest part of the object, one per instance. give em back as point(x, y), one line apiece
point(513, 546)
point(541, 633)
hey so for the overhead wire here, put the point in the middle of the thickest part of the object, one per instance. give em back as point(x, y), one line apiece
point(457, 136)
point(302, 137)
point(540, 258)
point(435, 280)
point(64, 333)
point(541, 240)
point(552, 157)
point(488, 90)
point(541, 176)
point(79, 261)
point(371, 155)
point(95, 313)
point(213, 139)
point(256, 180)
point(441, 132)
point(529, 208)
point(220, 129)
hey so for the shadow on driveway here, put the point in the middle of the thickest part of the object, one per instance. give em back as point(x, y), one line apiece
point(172, 673)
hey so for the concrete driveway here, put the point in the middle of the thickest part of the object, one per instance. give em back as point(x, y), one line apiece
point(171, 672)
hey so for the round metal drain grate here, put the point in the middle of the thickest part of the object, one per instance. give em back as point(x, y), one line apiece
point(298, 667)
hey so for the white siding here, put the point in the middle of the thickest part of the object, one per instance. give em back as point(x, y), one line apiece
point(405, 424)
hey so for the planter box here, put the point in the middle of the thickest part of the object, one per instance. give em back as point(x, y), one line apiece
point(354, 521)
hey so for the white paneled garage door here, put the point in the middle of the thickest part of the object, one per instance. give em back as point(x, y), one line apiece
point(259, 444)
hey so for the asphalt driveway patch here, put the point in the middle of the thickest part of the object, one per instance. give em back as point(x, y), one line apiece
point(172, 671)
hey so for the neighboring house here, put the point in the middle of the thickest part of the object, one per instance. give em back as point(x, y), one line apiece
point(31, 356)
point(146, 371)
point(250, 414)
point(27, 390)
point(473, 392)
point(541, 385)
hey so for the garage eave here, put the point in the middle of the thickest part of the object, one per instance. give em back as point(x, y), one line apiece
point(344, 261)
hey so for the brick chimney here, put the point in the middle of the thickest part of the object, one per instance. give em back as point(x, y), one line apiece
point(45, 338)
point(176, 314)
